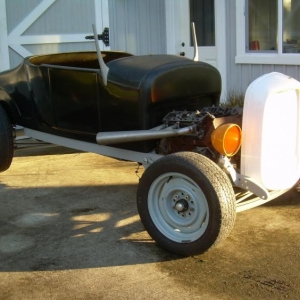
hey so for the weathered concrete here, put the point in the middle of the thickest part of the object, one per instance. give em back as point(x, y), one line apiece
point(69, 229)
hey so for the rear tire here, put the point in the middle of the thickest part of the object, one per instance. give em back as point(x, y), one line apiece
point(6, 141)
point(186, 203)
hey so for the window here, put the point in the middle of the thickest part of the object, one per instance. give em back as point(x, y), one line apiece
point(261, 27)
point(268, 31)
point(291, 26)
point(202, 13)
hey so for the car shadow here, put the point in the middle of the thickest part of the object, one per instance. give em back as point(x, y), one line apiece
point(63, 228)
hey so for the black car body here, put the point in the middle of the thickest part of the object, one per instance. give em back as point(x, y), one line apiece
point(64, 94)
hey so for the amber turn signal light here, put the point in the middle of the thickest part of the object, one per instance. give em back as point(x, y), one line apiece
point(227, 139)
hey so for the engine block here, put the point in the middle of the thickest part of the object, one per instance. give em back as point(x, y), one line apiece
point(205, 121)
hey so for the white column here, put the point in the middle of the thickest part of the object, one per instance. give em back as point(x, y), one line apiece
point(220, 21)
point(4, 50)
point(102, 19)
point(173, 26)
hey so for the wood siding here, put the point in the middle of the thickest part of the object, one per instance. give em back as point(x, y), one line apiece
point(138, 26)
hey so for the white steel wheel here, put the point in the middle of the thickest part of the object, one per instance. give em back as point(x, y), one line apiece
point(186, 203)
point(182, 213)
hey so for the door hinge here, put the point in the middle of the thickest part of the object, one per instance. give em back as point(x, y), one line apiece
point(104, 36)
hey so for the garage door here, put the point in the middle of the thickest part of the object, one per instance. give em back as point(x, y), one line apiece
point(30, 27)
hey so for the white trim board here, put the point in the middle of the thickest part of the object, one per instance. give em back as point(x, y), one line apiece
point(4, 52)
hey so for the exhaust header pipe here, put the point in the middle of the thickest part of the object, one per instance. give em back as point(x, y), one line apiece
point(108, 138)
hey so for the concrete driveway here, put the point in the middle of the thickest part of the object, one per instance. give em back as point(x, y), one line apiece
point(69, 229)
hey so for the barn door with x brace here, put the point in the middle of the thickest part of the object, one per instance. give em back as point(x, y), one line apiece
point(49, 27)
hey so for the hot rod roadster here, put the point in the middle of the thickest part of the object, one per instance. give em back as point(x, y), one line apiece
point(203, 162)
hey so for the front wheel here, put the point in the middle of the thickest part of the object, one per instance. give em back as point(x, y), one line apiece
point(186, 203)
point(6, 141)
